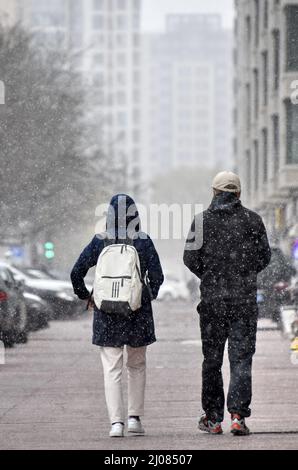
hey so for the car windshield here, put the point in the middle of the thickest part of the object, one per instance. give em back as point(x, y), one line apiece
point(36, 274)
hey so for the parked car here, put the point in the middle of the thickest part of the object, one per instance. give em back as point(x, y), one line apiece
point(271, 301)
point(173, 288)
point(58, 294)
point(273, 285)
point(13, 311)
point(39, 312)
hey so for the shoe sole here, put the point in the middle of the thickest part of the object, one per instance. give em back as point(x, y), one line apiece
point(116, 435)
point(136, 432)
point(207, 430)
point(237, 432)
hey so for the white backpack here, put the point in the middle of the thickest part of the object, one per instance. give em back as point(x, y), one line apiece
point(118, 284)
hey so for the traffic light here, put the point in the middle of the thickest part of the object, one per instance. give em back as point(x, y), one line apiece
point(49, 250)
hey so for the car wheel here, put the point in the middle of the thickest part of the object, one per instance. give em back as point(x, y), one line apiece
point(22, 338)
point(22, 322)
point(7, 339)
point(275, 316)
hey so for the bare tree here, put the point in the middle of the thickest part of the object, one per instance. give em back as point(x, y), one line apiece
point(52, 164)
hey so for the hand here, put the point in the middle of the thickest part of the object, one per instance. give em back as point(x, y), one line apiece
point(90, 303)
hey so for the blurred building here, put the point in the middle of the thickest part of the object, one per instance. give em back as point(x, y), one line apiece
point(8, 11)
point(188, 94)
point(50, 21)
point(105, 34)
point(112, 28)
point(266, 116)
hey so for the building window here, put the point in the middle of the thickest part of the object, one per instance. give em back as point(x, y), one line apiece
point(136, 40)
point(122, 137)
point(110, 23)
point(98, 22)
point(276, 59)
point(121, 4)
point(275, 128)
point(256, 168)
point(121, 22)
point(256, 92)
point(248, 172)
point(122, 119)
point(265, 77)
point(136, 116)
point(98, 80)
point(136, 96)
point(248, 106)
point(248, 29)
point(121, 40)
point(265, 155)
point(98, 39)
point(266, 14)
point(136, 22)
point(292, 37)
point(257, 22)
point(292, 132)
point(121, 60)
point(98, 59)
point(110, 99)
point(136, 59)
point(98, 5)
point(136, 136)
point(136, 78)
point(121, 98)
point(121, 79)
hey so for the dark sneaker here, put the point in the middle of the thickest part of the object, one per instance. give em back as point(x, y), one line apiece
point(212, 427)
point(238, 427)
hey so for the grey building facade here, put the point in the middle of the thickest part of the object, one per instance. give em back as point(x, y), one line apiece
point(266, 111)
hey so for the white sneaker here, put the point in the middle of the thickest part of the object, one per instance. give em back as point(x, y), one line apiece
point(117, 430)
point(135, 426)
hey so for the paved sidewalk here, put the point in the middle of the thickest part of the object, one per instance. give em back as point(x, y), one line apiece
point(51, 391)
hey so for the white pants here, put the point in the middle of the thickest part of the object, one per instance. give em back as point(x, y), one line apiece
point(112, 361)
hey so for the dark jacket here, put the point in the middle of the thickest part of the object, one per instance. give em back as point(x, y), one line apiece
point(234, 250)
point(137, 330)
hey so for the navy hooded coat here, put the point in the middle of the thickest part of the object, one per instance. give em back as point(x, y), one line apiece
point(137, 330)
point(235, 249)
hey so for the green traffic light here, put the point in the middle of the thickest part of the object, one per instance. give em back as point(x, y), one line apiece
point(50, 254)
point(49, 246)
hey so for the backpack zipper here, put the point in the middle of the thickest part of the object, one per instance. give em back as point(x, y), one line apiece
point(116, 277)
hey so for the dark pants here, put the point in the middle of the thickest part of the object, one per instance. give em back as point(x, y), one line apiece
point(220, 322)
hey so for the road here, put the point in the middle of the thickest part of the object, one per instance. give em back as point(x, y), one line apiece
point(52, 397)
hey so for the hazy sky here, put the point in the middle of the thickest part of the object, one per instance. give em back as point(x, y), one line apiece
point(154, 11)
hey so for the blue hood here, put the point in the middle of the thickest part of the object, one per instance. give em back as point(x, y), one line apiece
point(123, 215)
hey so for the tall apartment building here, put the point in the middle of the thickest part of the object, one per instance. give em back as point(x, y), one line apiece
point(108, 34)
point(114, 64)
point(266, 116)
point(188, 94)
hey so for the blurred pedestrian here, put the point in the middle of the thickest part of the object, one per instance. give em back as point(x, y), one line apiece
point(123, 316)
point(234, 249)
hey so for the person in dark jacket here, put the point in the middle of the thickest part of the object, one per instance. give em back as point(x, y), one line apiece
point(227, 247)
point(111, 332)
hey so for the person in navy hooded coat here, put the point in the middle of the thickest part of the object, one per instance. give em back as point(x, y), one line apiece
point(114, 332)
